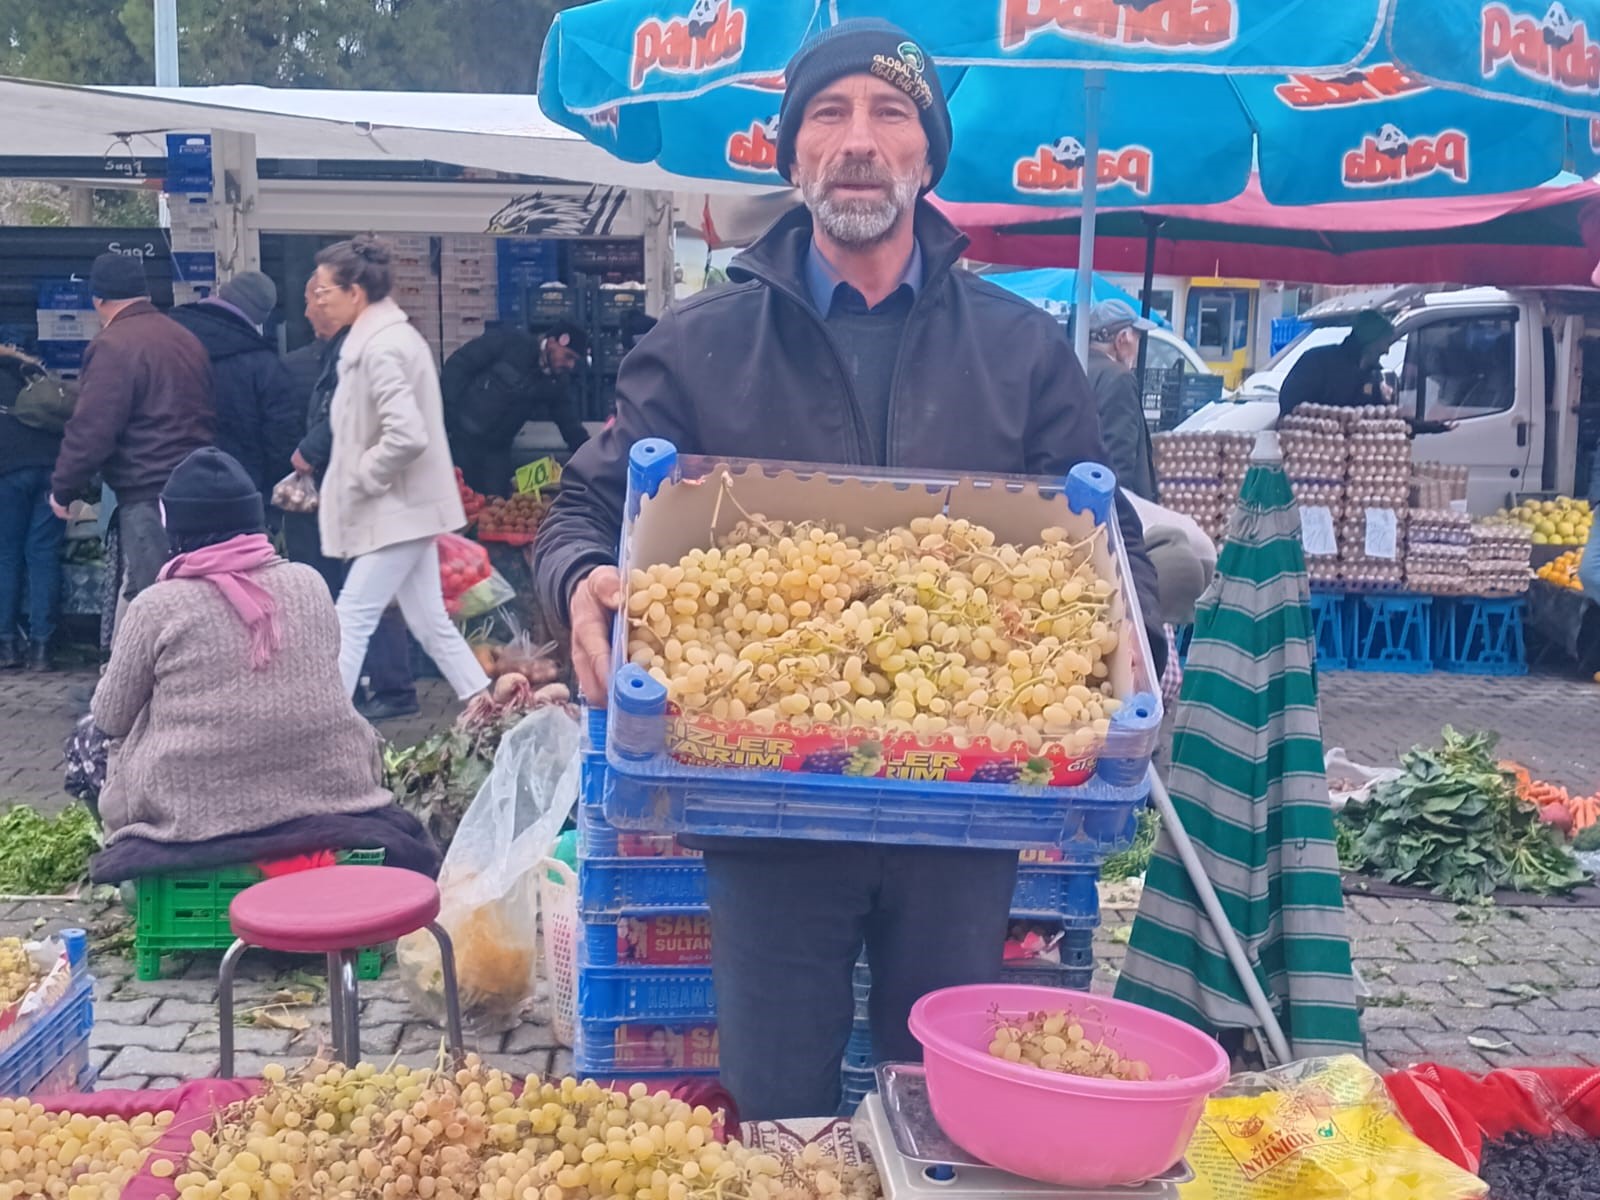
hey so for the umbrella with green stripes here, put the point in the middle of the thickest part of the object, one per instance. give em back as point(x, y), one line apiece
point(1253, 824)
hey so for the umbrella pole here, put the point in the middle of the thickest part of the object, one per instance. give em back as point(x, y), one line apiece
point(1151, 225)
point(1094, 85)
point(1226, 933)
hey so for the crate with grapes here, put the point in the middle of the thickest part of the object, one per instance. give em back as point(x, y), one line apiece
point(832, 652)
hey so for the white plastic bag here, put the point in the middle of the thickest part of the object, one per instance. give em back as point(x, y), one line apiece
point(295, 493)
point(1352, 783)
point(490, 881)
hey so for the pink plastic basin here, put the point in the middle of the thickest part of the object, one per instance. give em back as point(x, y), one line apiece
point(1065, 1129)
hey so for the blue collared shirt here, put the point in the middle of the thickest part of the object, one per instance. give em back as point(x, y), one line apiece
point(823, 282)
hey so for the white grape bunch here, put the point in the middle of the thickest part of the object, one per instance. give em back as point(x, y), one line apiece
point(1057, 1042)
point(72, 1156)
point(933, 628)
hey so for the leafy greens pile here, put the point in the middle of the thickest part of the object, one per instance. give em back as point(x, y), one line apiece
point(1453, 822)
point(45, 856)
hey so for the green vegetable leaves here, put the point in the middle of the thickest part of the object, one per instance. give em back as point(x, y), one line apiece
point(45, 856)
point(1453, 822)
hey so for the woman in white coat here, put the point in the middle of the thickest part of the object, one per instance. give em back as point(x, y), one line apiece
point(390, 489)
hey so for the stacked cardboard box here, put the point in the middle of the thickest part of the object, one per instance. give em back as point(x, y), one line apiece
point(416, 287)
point(468, 288)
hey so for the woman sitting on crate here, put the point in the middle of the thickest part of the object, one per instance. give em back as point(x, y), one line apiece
point(239, 742)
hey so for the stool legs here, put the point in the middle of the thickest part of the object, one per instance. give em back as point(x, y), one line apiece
point(336, 1005)
point(225, 1007)
point(351, 1004)
point(452, 999)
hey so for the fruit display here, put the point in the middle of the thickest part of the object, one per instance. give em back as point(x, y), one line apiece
point(1563, 571)
point(1559, 522)
point(1200, 475)
point(71, 1155)
point(473, 502)
point(463, 564)
point(17, 972)
point(442, 1134)
point(934, 629)
point(1056, 1042)
point(512, 520)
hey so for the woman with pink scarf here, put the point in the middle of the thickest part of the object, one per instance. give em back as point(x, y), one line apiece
point(224, 690)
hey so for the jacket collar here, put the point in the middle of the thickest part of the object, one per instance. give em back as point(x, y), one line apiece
point(778, 257)
point(380, 315)
point(138, 308)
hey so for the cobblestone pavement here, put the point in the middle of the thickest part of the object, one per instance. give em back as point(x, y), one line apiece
point(1470, 988)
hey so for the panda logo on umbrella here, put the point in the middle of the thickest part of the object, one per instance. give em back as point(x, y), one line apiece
point(1391, 142)
point(702, 17)
point(1558, 26)
point(1069, 152)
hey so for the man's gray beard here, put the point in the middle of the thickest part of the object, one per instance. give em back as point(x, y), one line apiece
point(855, 222)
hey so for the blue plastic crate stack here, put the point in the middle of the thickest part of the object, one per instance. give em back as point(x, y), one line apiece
point(645, 1001)
point(47, 1052)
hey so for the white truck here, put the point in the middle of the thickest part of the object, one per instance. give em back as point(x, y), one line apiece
point(1517, 371)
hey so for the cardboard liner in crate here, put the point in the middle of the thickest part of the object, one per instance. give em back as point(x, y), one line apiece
point(676, 505)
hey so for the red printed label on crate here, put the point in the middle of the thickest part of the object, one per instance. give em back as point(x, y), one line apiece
point(677, 941)
point(863, 754)
point(1047, 855)
point(664, 1048)
point(652, 845)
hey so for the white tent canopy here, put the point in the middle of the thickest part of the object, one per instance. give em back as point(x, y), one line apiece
point(488, 132)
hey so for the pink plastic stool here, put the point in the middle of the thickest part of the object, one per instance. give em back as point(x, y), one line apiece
point(334, 911)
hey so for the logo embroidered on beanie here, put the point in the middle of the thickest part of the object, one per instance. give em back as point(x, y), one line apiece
point(905, 72)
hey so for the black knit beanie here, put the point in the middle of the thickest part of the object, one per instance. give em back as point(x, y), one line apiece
point(864, 46)
point(118, 277)
point(210, 493)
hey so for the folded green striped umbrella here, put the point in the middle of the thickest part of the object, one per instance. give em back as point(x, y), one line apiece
point(1247, 788)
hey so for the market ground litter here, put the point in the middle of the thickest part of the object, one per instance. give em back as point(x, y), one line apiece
point(1473, 988)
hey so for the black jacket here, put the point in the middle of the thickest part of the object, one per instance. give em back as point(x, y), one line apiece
point(985, 383)
point(259, 414)
point(497, 381)
point(1122, 425)
point(314, 368)
point(22, 446)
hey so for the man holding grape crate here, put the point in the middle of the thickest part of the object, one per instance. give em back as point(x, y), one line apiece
point(845, 335)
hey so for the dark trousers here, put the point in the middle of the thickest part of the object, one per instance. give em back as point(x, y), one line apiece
point(30, 546)
point(789, 920)
point(388, 662)
point(485, 463)
point(144, 545)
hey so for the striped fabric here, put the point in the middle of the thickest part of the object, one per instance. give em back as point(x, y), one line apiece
point(1247, 783)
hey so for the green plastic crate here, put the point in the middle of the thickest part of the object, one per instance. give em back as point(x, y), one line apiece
point(184, 911)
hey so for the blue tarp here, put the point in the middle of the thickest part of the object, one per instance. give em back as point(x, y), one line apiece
point(1055, 288)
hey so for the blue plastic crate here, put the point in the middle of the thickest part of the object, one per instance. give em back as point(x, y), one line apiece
point(1331, 624)
point(1392, 633)
point(646, 788)
point(1077, 948)
point(1056, 894)
point(53, 1035)
point(597, 839)
point(645, 993)
point(1478, 636)
point(644, 1049)
point(600, 944)
point(609, 887)
point(858, 1053)
point(74, 1074)
point(855, 1086)
point(1076, 979)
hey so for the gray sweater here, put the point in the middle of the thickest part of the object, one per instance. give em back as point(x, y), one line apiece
point(210, 747)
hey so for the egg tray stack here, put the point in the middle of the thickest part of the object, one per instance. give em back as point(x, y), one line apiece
point(1437, 487)
point(1378, 481)
point(1200, 475)
point(645, 1000)
point(1314, 442)
point(1500, 560)
point(1438, 551)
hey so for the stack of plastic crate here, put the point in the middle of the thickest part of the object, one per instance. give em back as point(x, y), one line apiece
point(645, 1005)
point(46, 1052)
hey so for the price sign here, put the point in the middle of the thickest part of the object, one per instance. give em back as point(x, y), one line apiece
point(1383, 533)
point(537, 476)
point(1316, 531)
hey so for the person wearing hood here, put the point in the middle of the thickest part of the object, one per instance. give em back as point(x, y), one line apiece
point(847, 334)
point(260, 413)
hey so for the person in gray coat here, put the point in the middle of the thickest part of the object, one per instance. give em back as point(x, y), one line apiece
point(1115, 331)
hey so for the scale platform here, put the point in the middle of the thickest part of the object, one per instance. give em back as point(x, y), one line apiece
point(916, 1161)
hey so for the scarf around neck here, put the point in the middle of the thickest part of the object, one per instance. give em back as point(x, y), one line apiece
point(226, 566)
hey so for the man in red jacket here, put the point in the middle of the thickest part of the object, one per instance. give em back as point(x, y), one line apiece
point(145, 401)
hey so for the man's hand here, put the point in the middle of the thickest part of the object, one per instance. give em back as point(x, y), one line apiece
point(593, 604)
point(299, 463)
point(59, 509)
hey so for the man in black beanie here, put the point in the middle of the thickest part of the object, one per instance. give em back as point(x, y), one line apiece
point(846, 334)
point(144, 403)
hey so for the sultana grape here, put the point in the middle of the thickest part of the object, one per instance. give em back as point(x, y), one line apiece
point(1057, 1042)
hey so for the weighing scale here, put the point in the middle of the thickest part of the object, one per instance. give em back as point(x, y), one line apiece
point(916, 1161)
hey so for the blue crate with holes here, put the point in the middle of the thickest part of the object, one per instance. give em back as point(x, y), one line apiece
point(736, 787)
point(858, 1050)
point(1475, 635)
point(1331, 629)
point(1077, 979)
point(855, 1086)
point(606, 943)
point(608, 887)
point(645, 1049)
point(53, 1038)
point(637, 993)
point(1392, 632)
point(1056, 894)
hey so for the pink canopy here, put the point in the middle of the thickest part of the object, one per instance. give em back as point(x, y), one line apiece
point(1527, 238)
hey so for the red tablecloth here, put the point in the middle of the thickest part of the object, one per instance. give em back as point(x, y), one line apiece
point(1454, 1112)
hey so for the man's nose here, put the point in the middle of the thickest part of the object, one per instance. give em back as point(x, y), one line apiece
point(860, 134)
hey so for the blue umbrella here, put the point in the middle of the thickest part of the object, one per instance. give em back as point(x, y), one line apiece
point(1531, 52)
point(1065, 101)
point(1057, 288)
